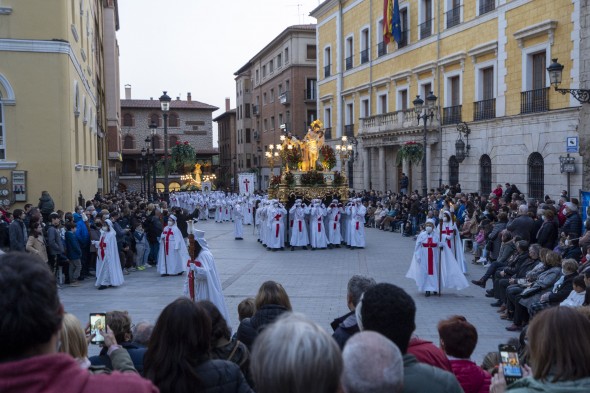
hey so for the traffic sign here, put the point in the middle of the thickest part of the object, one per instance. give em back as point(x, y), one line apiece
point(571, 144)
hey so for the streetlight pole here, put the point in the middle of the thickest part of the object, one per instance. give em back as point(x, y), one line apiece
point(143, 153)
point(165, 106)
point(147, 160)
point(423, 113)
point(153, 127)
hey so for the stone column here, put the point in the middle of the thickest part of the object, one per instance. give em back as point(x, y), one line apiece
point(366, 170)
point(381, 169)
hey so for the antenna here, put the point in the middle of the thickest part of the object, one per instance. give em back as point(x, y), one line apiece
point(300, 15)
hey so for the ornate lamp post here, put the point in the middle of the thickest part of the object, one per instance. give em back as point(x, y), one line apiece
point(143, 153)
point(555, 72)
point(460, 152)
point(344, 150)
point(165, 106)
point(148, 142)
point(424, 113)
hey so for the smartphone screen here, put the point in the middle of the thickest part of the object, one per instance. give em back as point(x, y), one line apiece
point(98, 322)
point(509, 363)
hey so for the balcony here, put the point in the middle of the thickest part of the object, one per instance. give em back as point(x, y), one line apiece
point(310, 94)
point(381, 49)
point(405, 39)
point(256, 110)
point(285, 98)
point(327, 70)
point(486, 6)
point(349, 130)
point(425, 29)
point(453, 17)
point(452, 115)
point(348, 62)
point(328, 133)
point(402, 121)
point(485, 109)
point(364, 56)
point(534, 101)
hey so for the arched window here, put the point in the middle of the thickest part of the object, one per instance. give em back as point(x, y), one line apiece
point(154, 118)
point(157, 142)
point(536, 176)
point(453, 171)
point(127, 120)
point(174, 186)
point(173, 120)
point(172, 140)
point(128, 142)
point(485, 174)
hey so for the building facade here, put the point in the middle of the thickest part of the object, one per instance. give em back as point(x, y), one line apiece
point(227, 179)
point(188, 121)
point(275, 94)
point(484, 60)
point(53, 98)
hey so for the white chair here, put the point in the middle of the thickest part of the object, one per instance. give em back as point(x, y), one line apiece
point(465, 241)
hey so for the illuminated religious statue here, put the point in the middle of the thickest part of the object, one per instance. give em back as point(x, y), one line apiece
point(313, 141)
point(197, 172)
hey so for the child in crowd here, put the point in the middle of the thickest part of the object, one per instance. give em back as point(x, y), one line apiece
point(246, 309)
point(142, 247)
point(577, 295)
point(480, 241)
point(73, 253)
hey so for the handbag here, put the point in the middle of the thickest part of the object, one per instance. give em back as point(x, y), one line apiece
point(531, 291)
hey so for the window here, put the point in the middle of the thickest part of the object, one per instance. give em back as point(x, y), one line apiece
point(286, 55)
point(486, 6)
point(453, 15)
point(272, 122)
point(271, 67)
point(279, 60)
point(452, 112)
point(349, 51)
point(485, 174)
point(381, 46)
point(536, 176)
point(247, 106)
point(155, 119)
point(173, 120)
point(128, 142)
point(127, 120)
point(403, 16)
point(426, 89)
point(264, 100)
point(257, 76)
point(383, 104)
point(426, 19)
point(248, 135)
point(534, 98)
point(328, 123)
point(156, 142)
point(327, 62)
point(365, 44)
point(311, 52)
point(280, 88)
point(402, 99)
point(264, 71)
point(311, 88)
point(365, 108)
point(485, 108)
point(453, 171)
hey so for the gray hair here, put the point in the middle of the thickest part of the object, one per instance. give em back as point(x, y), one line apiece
point(142, 332)
point(295, 355)
point(357, 285)
point(523, 209)
point(372, 363)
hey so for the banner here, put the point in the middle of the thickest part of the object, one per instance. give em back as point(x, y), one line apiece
point(246, 183)
point(206, 187)
point(585, 201)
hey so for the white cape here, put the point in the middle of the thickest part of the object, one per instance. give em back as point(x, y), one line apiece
point(108, 264)
point(172, 259)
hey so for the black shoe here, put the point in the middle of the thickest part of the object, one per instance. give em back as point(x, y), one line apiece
point(427, 294)
point(102, 287)
point(490, 291)
point(479, 283)
point(489, 294)
point(496, 304)
point(164, 275)
point(274, 249)
point(180, 274)
point(337, 245)
point(352, 247)
point(292, 248)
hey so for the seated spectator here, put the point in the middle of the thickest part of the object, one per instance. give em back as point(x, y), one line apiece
point(345, 326)
point(271, 301)
point(177, 359)
point(246, 308)
point(29, 360)
point(515, 269)
point(507, 249)
point(120, 323)
point(561, 289)
point(294, 355)
point(142, 332)
point(490, 362)
point(389, 310)
point(559, 345)
point(458, 338)
point(571, 248)
point(426, 352)
point(372, 363)
point(577, 296)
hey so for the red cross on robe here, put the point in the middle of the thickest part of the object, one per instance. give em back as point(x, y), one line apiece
point(102, 245)
point(167, 240)
point(430, 245)
point(278, 224)
point(319, 224)
point(448, 231)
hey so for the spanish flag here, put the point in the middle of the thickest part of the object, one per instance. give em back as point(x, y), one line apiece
point(391, 21)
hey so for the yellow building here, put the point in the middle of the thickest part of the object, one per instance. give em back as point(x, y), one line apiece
point(53, 112)
point(484, 60)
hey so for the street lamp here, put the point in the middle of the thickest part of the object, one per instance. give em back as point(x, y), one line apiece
point(143, 153)
point(153, 130)
point(555, 71)
point(460, 152)
point(147, 146)
point(165, 106)
point(344, 150)
point(423, 113)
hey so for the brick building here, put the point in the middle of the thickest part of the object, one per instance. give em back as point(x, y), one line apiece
point(226, 131)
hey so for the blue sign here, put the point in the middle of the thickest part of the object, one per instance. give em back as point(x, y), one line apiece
point(571, 144)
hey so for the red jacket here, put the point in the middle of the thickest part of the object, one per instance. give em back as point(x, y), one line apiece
point(471, 377)
point(427, 352)
point(59, 373)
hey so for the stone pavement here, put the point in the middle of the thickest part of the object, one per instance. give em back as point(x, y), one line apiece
point(315, 281)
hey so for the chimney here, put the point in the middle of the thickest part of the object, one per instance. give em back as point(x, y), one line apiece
point(227, 105)
point(127, 92)
point(188, 96)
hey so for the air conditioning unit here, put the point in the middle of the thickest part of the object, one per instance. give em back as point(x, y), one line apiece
point(256, 136)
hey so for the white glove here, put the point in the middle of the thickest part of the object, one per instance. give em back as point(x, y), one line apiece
point(84, 217)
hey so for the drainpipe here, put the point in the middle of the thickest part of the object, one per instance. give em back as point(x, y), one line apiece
point(440, 164)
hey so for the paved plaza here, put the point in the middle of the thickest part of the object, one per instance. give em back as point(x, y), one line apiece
point(315, 281)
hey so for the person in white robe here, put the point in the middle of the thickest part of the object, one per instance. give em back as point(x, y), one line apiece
point(248, 211)
point(345, 225)
point(238, 223)
point(299, 236)
point(334, 213)
point(449, 228)
point(317, 234)
point(203, 282)
point(276, 239)
point(108, 265)
point(357, 225)
point(173, 253)
point(431, 258)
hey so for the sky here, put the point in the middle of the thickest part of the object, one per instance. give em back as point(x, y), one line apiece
point(196, 45)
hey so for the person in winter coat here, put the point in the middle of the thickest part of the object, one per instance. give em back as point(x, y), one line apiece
point(458, 339)
point(573, 221)
point(177, 359)
point(73, 253)
point(548, 233)
point(36, 242)
point(46, 205)
point(271, 301)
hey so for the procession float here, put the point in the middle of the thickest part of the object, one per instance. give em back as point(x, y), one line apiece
point(306, 167)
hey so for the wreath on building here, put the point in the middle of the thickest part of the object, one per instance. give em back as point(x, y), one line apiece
point(410, 151)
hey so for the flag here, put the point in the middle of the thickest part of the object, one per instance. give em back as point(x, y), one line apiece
point(396, 31)
point(387, 19)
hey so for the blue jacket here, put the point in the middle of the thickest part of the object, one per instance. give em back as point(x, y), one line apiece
point(73, 250)
point(81, 230)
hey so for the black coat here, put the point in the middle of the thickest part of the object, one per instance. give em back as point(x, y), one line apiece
point(250, 327)
point(573, 224)
point(222, 376)
point(521, 226)
point(547, 235)
point(562, 292)
point(344, 327)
